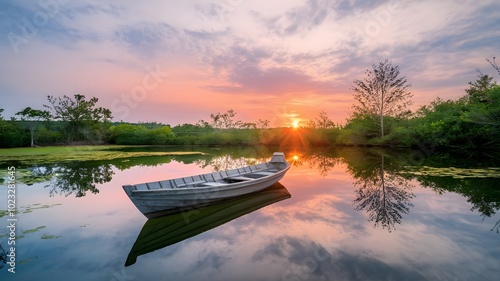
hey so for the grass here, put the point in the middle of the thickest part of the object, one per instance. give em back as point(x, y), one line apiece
point(54, 154)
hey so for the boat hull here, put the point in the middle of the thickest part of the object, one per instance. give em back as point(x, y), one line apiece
point(164, 231)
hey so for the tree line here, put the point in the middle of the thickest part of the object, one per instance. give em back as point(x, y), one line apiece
point(380, 117)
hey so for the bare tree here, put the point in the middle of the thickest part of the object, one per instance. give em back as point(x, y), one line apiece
point(224, 120)
point(494, 64)
point(323, 121)
point(382, 93)
point(262, 124)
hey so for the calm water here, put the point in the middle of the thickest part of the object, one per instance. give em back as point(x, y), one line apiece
point(353, 214)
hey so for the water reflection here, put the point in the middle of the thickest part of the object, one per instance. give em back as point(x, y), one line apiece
point(3, 257)
point(482, 193)
point(383, 179)
point(227, 162)
point(316, 235)
point(76, 178)
point(161, 232)
point(384, 195)
point(323, 163)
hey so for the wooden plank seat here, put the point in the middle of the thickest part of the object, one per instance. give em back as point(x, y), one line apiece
point(189, 183)
point(239, 178)
point(212, 184)
point(264, 173)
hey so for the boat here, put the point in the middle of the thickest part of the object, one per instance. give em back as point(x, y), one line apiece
point(159, 198)
point(162, 232)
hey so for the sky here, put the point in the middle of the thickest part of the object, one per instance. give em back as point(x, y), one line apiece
point(177, 62)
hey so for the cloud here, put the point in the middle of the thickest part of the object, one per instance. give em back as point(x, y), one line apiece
point(315, 262)
point(254, 70)
point(269, 50)
point(210, 260)
point(147, 38)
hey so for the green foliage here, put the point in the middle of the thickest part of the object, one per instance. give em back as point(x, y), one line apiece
point(138, 134)
point(477, 90)
point(359, 130)
point(49, 137)
point(12, 135)
point(162, 135)
point(466, 123)
point(79, 116)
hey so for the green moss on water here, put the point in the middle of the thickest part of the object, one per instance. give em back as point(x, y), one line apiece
point(58, 154)
point(458, 173)
point(36, 206)
point(49, 236)
point(33, 230)
point(4, 213)
point(28, 260)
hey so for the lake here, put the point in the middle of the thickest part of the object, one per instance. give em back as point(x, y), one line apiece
point(338, 214)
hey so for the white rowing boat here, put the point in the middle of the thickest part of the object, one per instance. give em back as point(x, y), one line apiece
point(161, 232)
point(155, 199)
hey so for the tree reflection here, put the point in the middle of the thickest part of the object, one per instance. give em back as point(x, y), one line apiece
point(71, 178)
point(79, 178)
point(384, 195)
point(323, 163)
point(482, 193)
point(496, 227)
point(3, 257)
point(227, 162)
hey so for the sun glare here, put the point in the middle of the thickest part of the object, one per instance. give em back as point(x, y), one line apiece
point(295, 124)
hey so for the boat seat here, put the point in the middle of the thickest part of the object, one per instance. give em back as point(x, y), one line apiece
point(240, 178)
point(212, 184)
point(263, 173)
point(190, 183)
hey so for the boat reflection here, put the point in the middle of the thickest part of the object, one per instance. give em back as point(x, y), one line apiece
point(164, 231)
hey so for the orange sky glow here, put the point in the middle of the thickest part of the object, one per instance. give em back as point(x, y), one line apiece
point(284, 61)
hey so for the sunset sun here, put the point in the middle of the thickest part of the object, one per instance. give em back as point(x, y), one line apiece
point(295, 124)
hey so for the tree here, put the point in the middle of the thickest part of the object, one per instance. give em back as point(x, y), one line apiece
point(323, 122)
point(80, 115)
point(382, 93)
point(224, 120)
point(262, 124)
point(11, 134)
point(477, 89)
point(35, 116)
